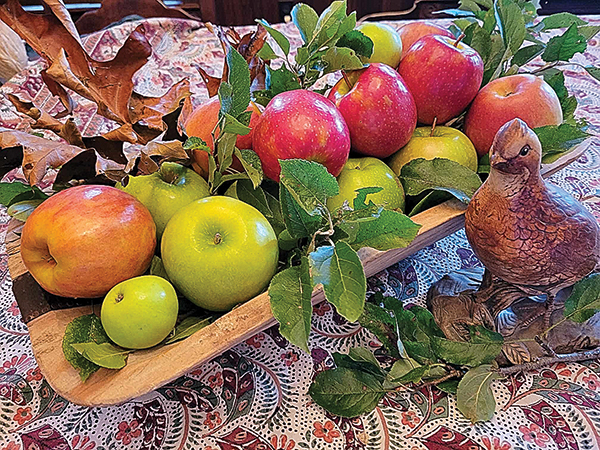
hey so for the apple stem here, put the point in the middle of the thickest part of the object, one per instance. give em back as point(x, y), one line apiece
point(460, 38)
point(433, 126)
point(217, 239)
point(120, 297)
point(346, 79)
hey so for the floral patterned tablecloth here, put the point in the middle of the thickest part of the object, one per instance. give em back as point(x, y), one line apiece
point(254, 395)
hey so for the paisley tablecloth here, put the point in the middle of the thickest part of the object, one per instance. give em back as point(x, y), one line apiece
point(254, 395)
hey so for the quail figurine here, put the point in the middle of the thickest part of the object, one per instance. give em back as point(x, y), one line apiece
point(527, 232)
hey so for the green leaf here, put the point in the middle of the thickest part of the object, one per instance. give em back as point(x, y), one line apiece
point(328, 24)
point(186, 328)
point(277, 222)
point(341, 59)
point(348, 362)
point(297, 221)
point(400, 369)
point(339, 270)
point(456, 12)
point(280, 80)
point(290, 293)
point(309, 183)
point(361, 354)
point(414, 376)
point(234, 126)
point(561, 20)
point(439, 174)
point(481, 335)
point(556, 79)
point(195, 143)
point(449, 386)
point(103, 355)
point(239, 79)
point(469, 5)
point(526, 54)
point(225, 149)
point(252, 165)
point(564, 47)
point(593, 71)
point(267, 53)
point(305, 18)
point(347, 25)
point(510, 23)
point(9, 192)
point(584, 301)
point(345, 392)
point(474, 396)
point(22, 210)
point(379, 322)
point(560, 138)
point(225, 94)
point(588, 32)
point(158, 269)
point(430, 200)
point(255, 197)
point(390, 230)
point(481, 42)
point(81, 330)
point(277, 35)
point(360, 201)
point(426, 321)
point(357, 41)
point(465, 353)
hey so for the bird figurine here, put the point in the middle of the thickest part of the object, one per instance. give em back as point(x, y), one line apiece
point(526, 232)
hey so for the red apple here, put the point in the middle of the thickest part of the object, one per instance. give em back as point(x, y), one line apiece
point(201, 123)
point(85, 240)
point(301, 124)
point(442, 76)
point(378, 109)
point(526, 97)
point(412, 32)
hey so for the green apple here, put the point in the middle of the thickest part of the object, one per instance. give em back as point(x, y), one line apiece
point(387, 45)
point(368, 172)
point(219, 251)
point(439, 142)
point(140, 312)
point(167, 191)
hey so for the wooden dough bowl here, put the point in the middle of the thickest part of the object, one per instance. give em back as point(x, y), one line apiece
point(47, 317)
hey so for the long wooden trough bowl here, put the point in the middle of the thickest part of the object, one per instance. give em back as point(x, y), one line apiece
point(148, 370)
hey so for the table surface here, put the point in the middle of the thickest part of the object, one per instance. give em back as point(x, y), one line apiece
point(254, 395)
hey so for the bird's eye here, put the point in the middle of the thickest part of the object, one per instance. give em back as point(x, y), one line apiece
point(524, 150)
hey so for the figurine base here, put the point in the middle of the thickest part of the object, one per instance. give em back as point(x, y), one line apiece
point(473, 297)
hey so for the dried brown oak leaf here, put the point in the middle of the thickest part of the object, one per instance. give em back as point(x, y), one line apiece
point(161, 150)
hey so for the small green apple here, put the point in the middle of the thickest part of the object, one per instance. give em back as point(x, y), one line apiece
point(140, 312)
point(167, 191)
point(219, 251)
point(439, 142)
point(387, 45)
point(368, 172)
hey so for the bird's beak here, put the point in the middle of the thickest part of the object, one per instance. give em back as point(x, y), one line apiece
point(498, 163)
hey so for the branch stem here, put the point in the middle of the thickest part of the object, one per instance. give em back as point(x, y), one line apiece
point(547, 360)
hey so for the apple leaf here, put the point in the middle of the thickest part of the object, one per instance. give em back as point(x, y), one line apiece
point(297, 221)
point(561, 20)
point(340, 58)
point(526, 54)
point(276, 81)
point(239, 79)
point(346, 392)
point(278, 36)
point(466, 353)
point(252, 165)
point(245, 191)
point(564, 47)
point(186, 328)
point(104, 355)
point(430, 200)
point(557, 139)
point(593, 71)
point(81, 330)
point(510, 23)
point(22, 210)
point(290, 293)
point(309, 183)
point(234, 126)
point(584, 301)
point(401, 368)
point(158, 269)
point(568, 102)
point(588, 32)
point(305, 18)
point(15, 192)
point(329, 23)
point(267, 53)
point(339, 270)
point(443, 174)
point(357, 41)
point(381, 323)
point(474, 396)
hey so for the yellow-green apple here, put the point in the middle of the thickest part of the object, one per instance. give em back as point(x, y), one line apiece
point(86, 239)
point(140, 312)
point(526, 97)
point(368, 172)
point(443, 76)
point(379, 110)
point(412, 32)
point(442, 142)
point(202, 122)
point(167, 191)
point(219, 251)
point(387, 46)
point(301, 124)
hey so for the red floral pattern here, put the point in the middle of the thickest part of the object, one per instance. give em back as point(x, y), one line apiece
point(128, 431)
point(326, 432)
point(535, 435)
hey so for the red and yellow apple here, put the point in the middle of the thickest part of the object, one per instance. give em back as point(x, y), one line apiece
point(379, 110)
point(201, 123)
point(443, 142)
point(301, 124)
point(525, 96)
point(412, 32)
point(86, 239)
point(387, 46)
point(368, 172)
point(443, 77)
